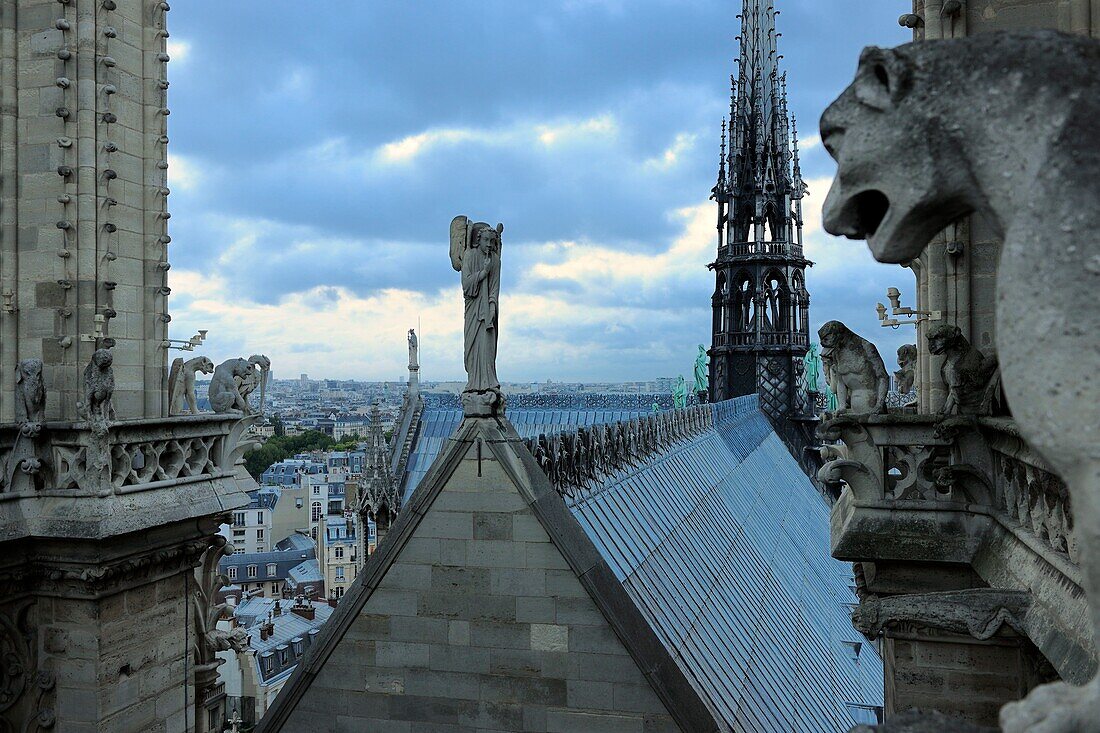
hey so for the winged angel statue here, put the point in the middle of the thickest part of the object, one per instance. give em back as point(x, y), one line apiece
point(475, 252)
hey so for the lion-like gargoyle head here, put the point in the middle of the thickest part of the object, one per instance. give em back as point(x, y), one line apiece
point(205, 365)
point(930, 132)
point(943, 337)
point(907, 354)
point(832, 334)
point(895, 186)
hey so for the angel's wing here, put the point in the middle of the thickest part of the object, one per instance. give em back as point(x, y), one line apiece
point(459, 229)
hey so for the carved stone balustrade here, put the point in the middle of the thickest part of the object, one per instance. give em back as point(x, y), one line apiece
point(67, 480)
point(101, 528)
point(933, 504)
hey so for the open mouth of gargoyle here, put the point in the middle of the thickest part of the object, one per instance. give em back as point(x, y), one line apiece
point(869, 208)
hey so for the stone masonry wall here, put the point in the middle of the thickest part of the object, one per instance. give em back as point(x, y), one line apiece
point(119, 662)
point(956, 675)
point(480, 625)
point(83, 220)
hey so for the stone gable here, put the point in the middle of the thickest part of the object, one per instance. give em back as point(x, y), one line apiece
point(478, 624)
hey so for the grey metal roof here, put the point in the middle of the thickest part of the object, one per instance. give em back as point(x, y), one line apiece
point(283, 560)
point(723, 543)
point(308, 571)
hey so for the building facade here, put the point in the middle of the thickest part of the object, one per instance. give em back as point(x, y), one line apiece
point(956, 516)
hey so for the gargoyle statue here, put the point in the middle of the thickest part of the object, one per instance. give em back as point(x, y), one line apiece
point(931, 132)
point(854, 369)
point(971, 378)
point(30, 392)
point(906, 374)
point(224, 393)
point(99, 388)
point(181, 383)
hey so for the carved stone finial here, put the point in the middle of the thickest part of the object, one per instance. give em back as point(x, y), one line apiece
point(475, 252)
point(853, 369)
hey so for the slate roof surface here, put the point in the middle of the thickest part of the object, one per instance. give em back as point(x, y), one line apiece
point(283, 560)
point(723, 543)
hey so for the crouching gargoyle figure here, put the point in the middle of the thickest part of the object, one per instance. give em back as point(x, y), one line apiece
point(971, 378)
point(853, 369)
point(1006, 125)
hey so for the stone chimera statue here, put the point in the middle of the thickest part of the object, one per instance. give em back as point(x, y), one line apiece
point(906, 374)
point(853, 368)
point(971, 378)
point(181, 383)
point(1006, 125)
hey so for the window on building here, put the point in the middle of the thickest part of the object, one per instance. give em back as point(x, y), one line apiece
point(313, 533)
point(238, 533)
point(338, 552)
point(274, 589)
point(259, 535)
point(315, 511)
point(259, 517)
point(272, 570)
point(338, 592)
point(252, 571)
point(238, 519)
point(316, 490)
point(232, 574)
point(340, 574)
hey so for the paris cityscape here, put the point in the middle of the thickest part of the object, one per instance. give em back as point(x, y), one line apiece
point(573, 367)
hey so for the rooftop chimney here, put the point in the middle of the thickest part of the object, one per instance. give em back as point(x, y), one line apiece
point(304, 610)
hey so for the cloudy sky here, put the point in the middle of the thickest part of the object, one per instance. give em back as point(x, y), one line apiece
point(320, 150)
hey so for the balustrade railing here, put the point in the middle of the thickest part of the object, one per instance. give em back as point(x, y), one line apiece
point(765, 338)
point(44, 458)
point(756, 249)
point(981, 463)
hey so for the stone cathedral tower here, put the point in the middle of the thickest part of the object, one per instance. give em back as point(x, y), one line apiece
point(760, 302)
point(105, 625)
point(83, 197)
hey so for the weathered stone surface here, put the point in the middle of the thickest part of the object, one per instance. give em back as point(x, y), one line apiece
point(853, 369)
point(1034, 178)
point(506, 634)
point(915, 721)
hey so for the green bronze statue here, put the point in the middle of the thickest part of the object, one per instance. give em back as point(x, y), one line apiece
point(812, 364)
point(680, 393)
point(701, 379)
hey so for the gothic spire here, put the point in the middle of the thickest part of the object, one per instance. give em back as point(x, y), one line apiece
point(759, 131)
point(760, 307)
point(378, 499)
